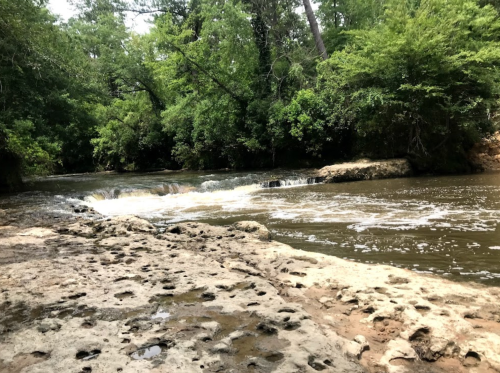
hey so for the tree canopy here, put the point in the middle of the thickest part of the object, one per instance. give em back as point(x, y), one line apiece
point(245, 83)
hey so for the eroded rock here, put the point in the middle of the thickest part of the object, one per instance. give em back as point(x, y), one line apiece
point(253, 227)
point(357, 346)
point(485, 155)
point(365, 170)
point(182, 300)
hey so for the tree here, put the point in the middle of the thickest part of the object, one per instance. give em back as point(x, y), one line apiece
point(45, 87)
point(237, 83)
point(315, 29)
point(247, 58)
point(338, 16)
point(419, 84)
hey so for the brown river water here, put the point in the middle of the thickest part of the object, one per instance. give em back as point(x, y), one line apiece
point(445, 225)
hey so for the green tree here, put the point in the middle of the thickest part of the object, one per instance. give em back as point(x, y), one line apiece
point(338, 16)
point(229, 65)
point(45, 87)
point(128, 131)
point(422, 83)
point(238, 83)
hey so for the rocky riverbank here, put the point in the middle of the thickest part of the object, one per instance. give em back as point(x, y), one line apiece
point(119, 296)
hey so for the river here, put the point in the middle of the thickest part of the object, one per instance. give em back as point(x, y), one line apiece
point(444, 225)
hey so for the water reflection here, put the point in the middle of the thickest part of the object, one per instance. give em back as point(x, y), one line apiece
point(146, 353)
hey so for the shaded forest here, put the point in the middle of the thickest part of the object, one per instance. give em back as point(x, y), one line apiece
point(245, 84)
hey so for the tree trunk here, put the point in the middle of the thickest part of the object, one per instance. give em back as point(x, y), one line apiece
point(315, 29)
point(336, 14)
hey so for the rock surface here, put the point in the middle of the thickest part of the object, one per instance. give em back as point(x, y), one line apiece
point(365, 170)
point(118, 296)
point(485, 155)
point(253, 227)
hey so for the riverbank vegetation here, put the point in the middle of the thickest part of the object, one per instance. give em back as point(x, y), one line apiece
point(245, 83)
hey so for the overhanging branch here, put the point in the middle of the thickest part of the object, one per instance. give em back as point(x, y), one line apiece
point(213, 78)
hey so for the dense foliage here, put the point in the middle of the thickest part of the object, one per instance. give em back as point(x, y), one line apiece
point(423, 83)
point(46, 90)
point(240, 83)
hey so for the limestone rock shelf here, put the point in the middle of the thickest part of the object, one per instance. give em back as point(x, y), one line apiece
point(485, 155)
point(365, 170)
point(118, 296)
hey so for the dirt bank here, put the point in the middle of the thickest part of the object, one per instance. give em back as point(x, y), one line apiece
point(118, 296)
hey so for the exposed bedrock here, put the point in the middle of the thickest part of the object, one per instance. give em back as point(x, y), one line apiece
point(485, 154)
point(365, 170)
point(117, 296)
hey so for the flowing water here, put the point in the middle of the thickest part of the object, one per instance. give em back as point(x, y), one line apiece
point(441, 225)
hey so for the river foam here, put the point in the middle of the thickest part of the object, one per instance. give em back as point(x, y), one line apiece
point(242, 195)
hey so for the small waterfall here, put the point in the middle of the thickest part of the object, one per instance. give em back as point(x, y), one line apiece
point(229, 184)
point(173, 188)
point(294, 181)
point(249, 183)
point(160, 190)
point(104, 194)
